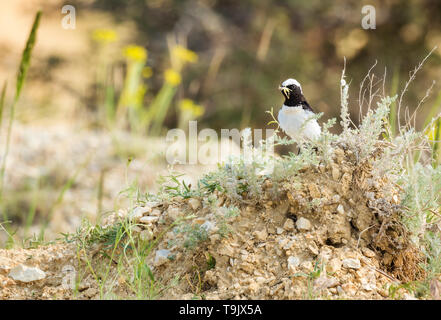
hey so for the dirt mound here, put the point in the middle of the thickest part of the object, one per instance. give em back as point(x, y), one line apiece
point(328, 232)
point(333, 231)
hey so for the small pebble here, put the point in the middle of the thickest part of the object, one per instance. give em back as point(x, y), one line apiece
point(293, 263)
point(194, 203)
point(340, 209)
point(161, 257)
point(148, 219)
point(351, 263)
point(303, 224)
point(288, 225)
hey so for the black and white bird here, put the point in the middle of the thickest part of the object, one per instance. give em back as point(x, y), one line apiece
point(295, 111)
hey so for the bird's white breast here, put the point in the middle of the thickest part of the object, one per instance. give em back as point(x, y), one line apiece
point(291, 120)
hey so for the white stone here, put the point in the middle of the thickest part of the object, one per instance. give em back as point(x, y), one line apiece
point(152, 204)
point(26, 274)
point(149, 219)
point(161, 257)
point(155, 212)
point(340, 209)
point(138, 212)
point(282, 242)
point(303, 224)
point(209, 226)
point(194, 203)
point(369, 286)
point(288, 245)
point(293, 263)
point(351, 263)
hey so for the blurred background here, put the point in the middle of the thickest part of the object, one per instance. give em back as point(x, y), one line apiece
point(98, 98)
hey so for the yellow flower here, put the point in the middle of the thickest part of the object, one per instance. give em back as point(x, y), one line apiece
point(188, 105)
point(172, 77)
point(135, 53)
point(198, 110)
point(104, 35)
point(184, 55)
point(147, 72)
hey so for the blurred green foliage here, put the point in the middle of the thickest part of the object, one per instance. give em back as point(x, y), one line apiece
point(247, 48)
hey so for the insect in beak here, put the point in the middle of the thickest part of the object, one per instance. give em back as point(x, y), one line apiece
point(285, 91)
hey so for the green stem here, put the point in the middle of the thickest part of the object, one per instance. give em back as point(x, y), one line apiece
point(21, 76)
point(160, 107)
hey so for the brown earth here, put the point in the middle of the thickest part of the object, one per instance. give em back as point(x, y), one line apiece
point(332, 232)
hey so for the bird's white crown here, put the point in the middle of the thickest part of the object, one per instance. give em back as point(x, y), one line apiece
point(291, 81)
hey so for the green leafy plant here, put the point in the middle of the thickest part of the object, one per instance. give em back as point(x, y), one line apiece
point(310, 277)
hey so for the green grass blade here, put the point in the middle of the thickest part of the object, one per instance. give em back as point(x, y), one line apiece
point(21, 76)
point(2, 102)
point(433, 110)
point(26, 57)
point(32, 209)
point(22, 72)
point(160, 107)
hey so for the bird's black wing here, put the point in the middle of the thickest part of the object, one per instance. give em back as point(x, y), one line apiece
point(305, 105)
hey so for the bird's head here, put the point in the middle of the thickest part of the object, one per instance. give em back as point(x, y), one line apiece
point(290, 87)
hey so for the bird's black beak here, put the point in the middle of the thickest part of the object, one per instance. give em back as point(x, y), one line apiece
point(285, 91)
